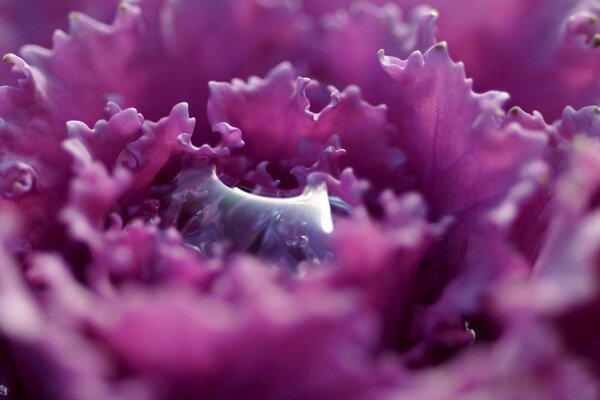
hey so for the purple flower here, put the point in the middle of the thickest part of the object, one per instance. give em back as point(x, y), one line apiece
point(298, 199)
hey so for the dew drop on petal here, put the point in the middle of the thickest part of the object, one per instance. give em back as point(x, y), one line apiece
point(288, 230)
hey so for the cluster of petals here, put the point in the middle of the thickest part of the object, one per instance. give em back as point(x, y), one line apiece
point(300, 199)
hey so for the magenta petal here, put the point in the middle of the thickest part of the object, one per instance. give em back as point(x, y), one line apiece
point(277, 126)
point(127, 61)
point(24, 23)
point(528, 362)
point(31, 178)
point(157, 338)
point(353, 37)
point(379, 261)
point(140, 147)
point(545, 56)
point(465, 161)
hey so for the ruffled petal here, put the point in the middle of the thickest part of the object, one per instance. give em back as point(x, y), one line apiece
point(34, 169)
point(34, 22)
point(465, 161)
point(180, 340)
point(126, 141)
point(544, 56)
point(528, 362)
point(353, 36)
point(127, 61)
point(380, 261)
point(278, 126)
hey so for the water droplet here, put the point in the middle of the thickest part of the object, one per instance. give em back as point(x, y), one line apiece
point(288, 230)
